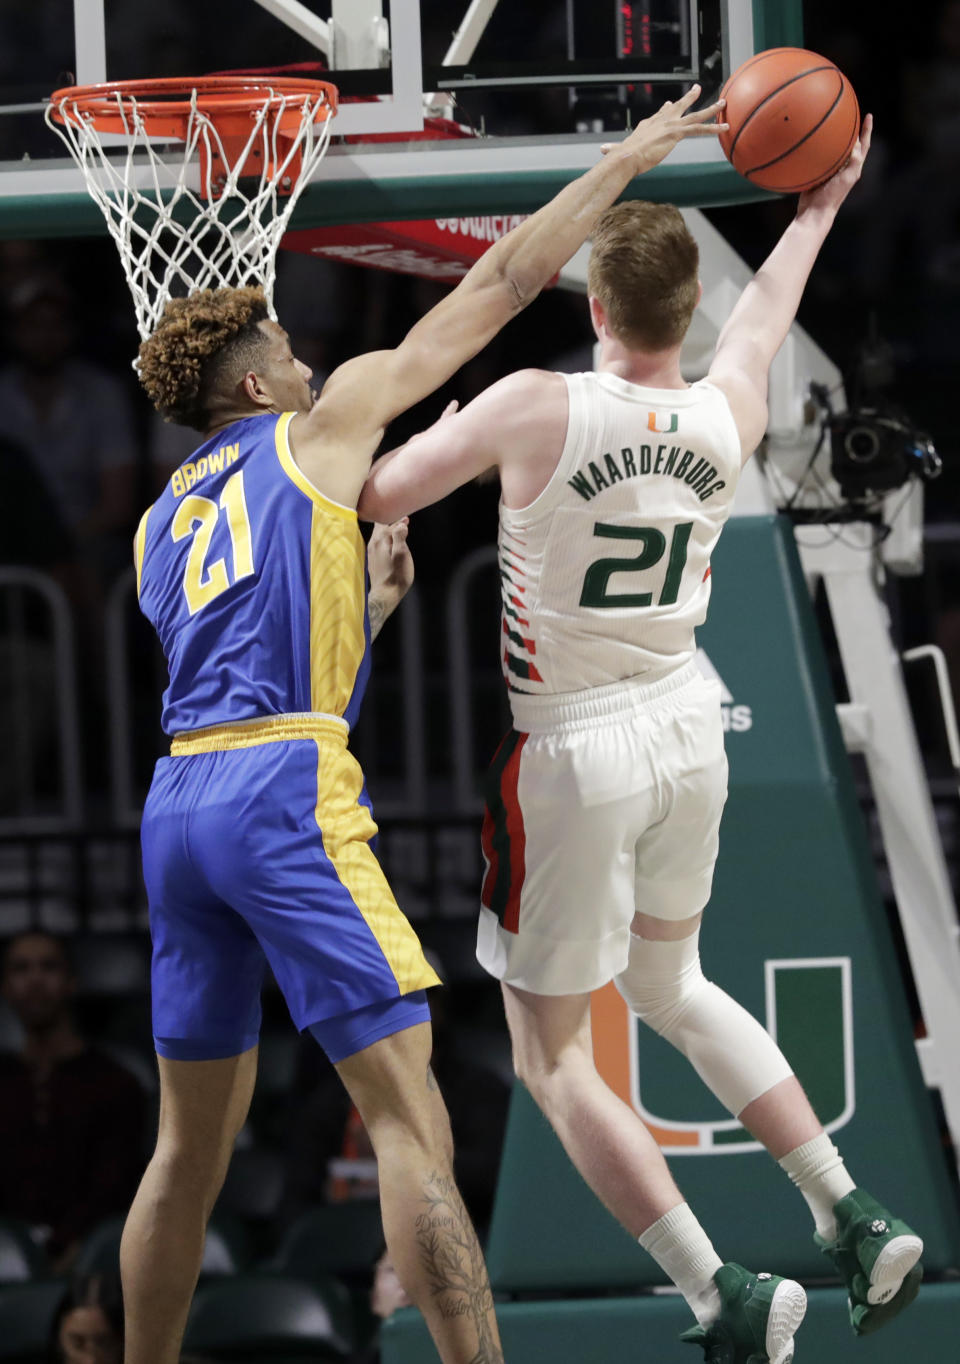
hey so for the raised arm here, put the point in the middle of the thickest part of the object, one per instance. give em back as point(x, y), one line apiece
point(764, 313)
point(364, 395)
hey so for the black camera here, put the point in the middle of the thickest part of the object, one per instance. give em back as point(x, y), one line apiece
point(875, 450)
point(874, 447)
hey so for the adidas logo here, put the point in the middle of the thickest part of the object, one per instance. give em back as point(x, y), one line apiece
point(736, 718)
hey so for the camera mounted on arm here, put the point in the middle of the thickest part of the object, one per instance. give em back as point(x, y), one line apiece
point(874, 446)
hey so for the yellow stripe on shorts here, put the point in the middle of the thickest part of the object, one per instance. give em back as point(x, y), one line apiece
point(347, 826)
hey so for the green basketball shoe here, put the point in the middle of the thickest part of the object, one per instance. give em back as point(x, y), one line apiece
point(877, 1257)
point(759, 1314)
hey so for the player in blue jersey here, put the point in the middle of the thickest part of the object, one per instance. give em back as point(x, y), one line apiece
point(257, 830)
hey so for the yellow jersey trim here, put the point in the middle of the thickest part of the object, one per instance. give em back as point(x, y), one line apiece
point(249, 733)
point(337, 601)
point(296, 475)
point(139, 545)
point(347, 827)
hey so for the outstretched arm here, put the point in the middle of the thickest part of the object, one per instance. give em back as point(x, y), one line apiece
point(364, 395)
point(758, 325)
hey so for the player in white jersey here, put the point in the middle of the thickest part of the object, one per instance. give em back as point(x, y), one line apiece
point(604, 801)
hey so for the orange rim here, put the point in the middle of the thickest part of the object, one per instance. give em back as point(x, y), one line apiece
point(227, 100)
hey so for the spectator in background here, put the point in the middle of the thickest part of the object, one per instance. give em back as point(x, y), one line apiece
point(88, 1324)
point(931, 110)
point(329, 1157)
point(19, 259)
point(73, 419)
point(33, 536)
point(73, 422)
point(909, 231)
point(71, 1119)
point(32, 530)
point(387, 1295)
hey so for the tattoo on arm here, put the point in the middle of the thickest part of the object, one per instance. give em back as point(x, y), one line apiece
point(377, 611)
point(451, 1256)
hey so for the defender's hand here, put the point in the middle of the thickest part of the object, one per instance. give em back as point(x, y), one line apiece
point(831, 194)
point(656, 136)
point(389, 560)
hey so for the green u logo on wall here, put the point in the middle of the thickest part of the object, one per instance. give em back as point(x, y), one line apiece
point(809, 1011)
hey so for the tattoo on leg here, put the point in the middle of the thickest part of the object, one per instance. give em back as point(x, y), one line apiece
point(450, 1253)
point(432, 1080)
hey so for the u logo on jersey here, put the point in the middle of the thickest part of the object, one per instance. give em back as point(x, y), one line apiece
point(809, 1012)
point(662, 430)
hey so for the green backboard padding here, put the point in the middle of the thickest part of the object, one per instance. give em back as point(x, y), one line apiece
point(795, 884)
point(777, 24)
point(441, 195)
point(644, 1330)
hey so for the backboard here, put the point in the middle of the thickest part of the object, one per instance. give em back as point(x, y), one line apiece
point(449, 109)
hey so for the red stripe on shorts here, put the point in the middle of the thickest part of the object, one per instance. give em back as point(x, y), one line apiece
point(517, 837)
point(492, 859)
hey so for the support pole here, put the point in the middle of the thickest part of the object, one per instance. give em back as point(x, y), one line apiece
point(850, 572)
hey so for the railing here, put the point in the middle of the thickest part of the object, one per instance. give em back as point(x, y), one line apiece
point(40, 794)
point(91, 879)
point(126, 807)
point(424, 740)
point(462, 691)
point(398, 699)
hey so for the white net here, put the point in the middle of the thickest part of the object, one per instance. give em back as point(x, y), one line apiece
point(172, 239)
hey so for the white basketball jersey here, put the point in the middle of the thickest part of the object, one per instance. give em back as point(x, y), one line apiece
point(607, 573)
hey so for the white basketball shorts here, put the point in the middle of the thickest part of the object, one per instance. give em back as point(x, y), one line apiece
point(599, 804)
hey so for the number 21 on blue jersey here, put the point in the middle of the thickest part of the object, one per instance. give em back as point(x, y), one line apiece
point(198, 516)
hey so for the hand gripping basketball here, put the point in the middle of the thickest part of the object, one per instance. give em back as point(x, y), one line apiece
point(831, 194)
point(656, 136)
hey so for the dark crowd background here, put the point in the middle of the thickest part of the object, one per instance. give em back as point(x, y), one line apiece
point(81, 455)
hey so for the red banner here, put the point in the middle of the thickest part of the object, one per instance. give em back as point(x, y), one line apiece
point(435, 248)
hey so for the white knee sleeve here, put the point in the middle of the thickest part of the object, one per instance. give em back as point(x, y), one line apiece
point(734, 1056)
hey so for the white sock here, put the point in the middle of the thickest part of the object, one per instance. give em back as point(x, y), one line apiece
point(821, 1176)
point(683, 1251)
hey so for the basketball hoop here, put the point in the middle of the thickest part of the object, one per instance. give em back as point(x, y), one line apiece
point(255, 144)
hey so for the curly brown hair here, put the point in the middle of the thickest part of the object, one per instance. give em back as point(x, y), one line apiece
point(200, 344)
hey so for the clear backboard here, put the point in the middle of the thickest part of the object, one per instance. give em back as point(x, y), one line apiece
point(449, 108)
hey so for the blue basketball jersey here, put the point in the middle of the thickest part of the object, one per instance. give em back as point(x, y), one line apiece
point(255, 583)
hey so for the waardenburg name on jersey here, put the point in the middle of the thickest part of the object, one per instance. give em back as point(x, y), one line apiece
point(699, 473)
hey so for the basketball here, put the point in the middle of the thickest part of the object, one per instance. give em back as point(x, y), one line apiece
point(793, 117)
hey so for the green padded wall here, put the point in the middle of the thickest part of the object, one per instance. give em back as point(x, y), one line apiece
point(644, 1330)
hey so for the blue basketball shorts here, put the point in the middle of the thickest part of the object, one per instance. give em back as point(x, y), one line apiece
point(257, 851)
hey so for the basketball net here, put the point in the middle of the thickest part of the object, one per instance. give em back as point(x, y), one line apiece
point(209, 212)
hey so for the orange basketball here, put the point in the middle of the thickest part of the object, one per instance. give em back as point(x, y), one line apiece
point(794, 119)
